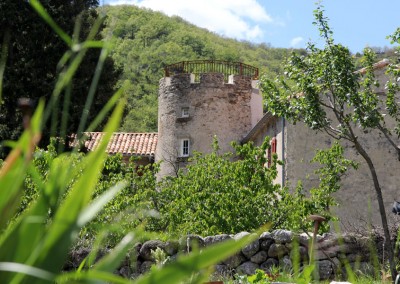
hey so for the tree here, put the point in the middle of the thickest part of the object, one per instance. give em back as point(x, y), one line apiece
point(324, 90)
point(216, 195)
point(34, 52)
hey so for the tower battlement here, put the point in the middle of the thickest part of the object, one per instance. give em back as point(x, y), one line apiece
point(216, 80)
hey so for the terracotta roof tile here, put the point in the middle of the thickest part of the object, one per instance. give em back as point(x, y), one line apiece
point(126, 143)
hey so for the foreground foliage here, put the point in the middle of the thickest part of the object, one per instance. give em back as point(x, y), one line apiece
point(34, 244)
point(32, 66)
point(217, 195)
point(214, 195)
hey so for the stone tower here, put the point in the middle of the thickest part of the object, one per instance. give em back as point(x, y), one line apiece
point(221, 99)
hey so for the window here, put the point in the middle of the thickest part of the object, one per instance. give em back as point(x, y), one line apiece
point(273, 145)
point(184, 148)
point(185, 112)
point(271, 151)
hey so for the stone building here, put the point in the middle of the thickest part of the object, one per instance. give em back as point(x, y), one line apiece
point(139, 145)
point(202, 99)
point(358, 206)
point(191, 112)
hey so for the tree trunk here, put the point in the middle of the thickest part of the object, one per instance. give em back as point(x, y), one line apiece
point(382, 211)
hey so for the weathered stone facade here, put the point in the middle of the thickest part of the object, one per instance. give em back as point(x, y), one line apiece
point(233, 112)
point(279, 248)
point(358, 206)
point(212, 108)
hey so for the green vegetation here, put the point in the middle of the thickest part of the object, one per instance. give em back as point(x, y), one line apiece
point(47, 199)
point(144, 42)
point(260, 277)
point(212, 195)
point(35, 58)
point(324, 91)
point(35, 244)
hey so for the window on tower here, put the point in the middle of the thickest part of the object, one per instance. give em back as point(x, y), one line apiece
point(184, 150)
point(185, 112)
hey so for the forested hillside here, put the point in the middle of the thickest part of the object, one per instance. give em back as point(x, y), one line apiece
point(30, 56)
point(146, 41)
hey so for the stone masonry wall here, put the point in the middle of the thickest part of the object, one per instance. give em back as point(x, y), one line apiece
point(215, 108)
point(272, 249)
point(358, 206)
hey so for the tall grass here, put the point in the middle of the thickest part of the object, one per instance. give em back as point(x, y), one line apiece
point(34, 246)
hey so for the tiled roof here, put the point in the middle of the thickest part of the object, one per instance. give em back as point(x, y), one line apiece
point(126, 143)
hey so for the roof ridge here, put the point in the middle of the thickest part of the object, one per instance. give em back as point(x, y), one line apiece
point(126, 143)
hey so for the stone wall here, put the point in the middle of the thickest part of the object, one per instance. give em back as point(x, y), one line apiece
point(214, 108)
point(357, 200)
point(277, 248)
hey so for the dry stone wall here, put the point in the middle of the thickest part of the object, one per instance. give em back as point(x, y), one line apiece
point(278, 248)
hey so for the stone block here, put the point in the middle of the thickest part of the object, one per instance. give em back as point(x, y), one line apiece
point(147, 247)
point(325, 269)
point(247, 268)
point(259, 257)
point(277, 250)
point(282, 236)
point(269, 264)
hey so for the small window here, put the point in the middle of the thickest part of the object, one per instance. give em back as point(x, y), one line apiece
point(271, 151)
point(273, 145)
point(185, 112)
point(184, 150)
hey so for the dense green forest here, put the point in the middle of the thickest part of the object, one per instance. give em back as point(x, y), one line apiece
point(146, 41)
point(34, 57)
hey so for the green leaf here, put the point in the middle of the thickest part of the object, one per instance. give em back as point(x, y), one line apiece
point(50, 252)
point(91, 276)
point(27, 270)
point(90, 212)
point(112, 260)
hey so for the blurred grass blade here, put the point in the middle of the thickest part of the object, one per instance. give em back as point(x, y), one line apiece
point(46, 17)
point(184, 267)
point(13, 171)
point(22, 240)
point(102, 114)
point(92, 91)
point(111, 261)
point(65, 116)
point(3, 60)
point(76, 58)
point(90, 276)
point(63, 81)
point(26, 269)
point(91, 211)
point(64, 227)
point(94, 44)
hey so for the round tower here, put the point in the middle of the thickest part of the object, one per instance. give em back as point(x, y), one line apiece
point(199, 100)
